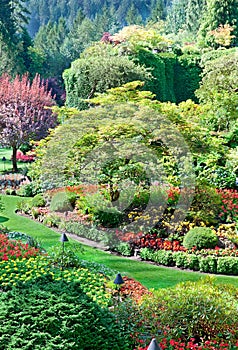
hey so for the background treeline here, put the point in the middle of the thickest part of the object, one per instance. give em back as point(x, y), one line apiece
point(47, 37)
point(118, 13)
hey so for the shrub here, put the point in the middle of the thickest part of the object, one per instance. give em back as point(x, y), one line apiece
point(193, 261)
point(82, 230)
point(181, 260)
point(38, 201)
point(227, 265)
point(124, 249)
point(200, 237)
point(208, 264)
point(202, 310)
point(68, 258)
point(60, 316)
point(60, 202)
point(163, 257)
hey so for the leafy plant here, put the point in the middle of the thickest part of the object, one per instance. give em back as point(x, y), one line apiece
point(62, 316)
point(201, 310)
point(200, 237)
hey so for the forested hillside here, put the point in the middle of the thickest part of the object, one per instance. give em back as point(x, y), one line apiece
point(117, 13)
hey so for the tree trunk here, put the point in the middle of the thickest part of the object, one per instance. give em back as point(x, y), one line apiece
point(14, 159)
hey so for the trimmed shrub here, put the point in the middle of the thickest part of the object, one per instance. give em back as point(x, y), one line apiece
point(181, 260)
point(200, 237)
point(124, 249)
point(208, 264)
point(227, 265)
point(163, 257)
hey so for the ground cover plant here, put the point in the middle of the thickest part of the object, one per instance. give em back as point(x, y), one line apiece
point(60, 316)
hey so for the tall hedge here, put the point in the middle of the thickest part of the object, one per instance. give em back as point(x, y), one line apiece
point(187, 76)
point(175, 77)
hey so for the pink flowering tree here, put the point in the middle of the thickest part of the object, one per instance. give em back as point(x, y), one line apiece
point(24, 114)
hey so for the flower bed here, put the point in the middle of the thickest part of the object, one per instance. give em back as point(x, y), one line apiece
point(12, 249)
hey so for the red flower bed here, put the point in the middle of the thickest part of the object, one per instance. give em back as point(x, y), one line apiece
point(11, 249)
point(149, 240)
point(133, 288)
point(229, 204)
point(207, 345)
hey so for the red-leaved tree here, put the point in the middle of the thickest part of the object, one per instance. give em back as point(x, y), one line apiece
point(24, 114)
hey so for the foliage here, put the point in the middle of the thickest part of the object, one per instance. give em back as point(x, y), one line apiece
point(218, 12)
point(187, 73)
point(200, 237)
point(88, 325)
point(67, 257)
point(229, 208)
point(124, 249)
point(99, 68)
point(206, 205)
point(199, 310)
point(22, 105)
point(38, 201)
point(218, 89)
point(61, 202)
point(109, 15)
point(133, 289)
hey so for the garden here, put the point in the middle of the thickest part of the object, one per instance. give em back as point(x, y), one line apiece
point(119, 188)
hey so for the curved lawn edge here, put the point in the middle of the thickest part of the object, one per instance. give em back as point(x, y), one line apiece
point(151, 276)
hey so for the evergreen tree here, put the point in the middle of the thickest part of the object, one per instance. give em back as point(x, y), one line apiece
point(176, 18)
point(194, 13)
point(49, 41)
point(219, 13)
point(157, 11)
point(133, 16)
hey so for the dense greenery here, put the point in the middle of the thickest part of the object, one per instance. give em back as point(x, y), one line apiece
point(142, 160)
point(62, 317)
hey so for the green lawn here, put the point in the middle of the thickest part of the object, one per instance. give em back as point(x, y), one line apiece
point(7, 165)
point(149, 275)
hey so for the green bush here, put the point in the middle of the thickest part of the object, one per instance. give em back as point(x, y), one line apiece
point(124, 249)
point(208, 264)
point(164, 257)
point(82, 230)
point(37, 201)
point(202, 310)
point(68, 257)
point(52, 220)
point(24, 206)
point(200, 237)
point(193, 261)
point(227, 265)
point(147, 254)
point(181, 260)
point(57, 316)
point(61, 202)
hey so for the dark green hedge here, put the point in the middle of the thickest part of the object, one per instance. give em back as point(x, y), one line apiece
point(187, 73)
point(175, 77)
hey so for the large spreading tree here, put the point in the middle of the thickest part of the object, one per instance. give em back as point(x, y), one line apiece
point(23, 112)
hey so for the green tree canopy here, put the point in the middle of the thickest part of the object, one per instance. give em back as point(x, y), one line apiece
point(99, 68)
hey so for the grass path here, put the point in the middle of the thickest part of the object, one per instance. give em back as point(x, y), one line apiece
point(149, 275)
